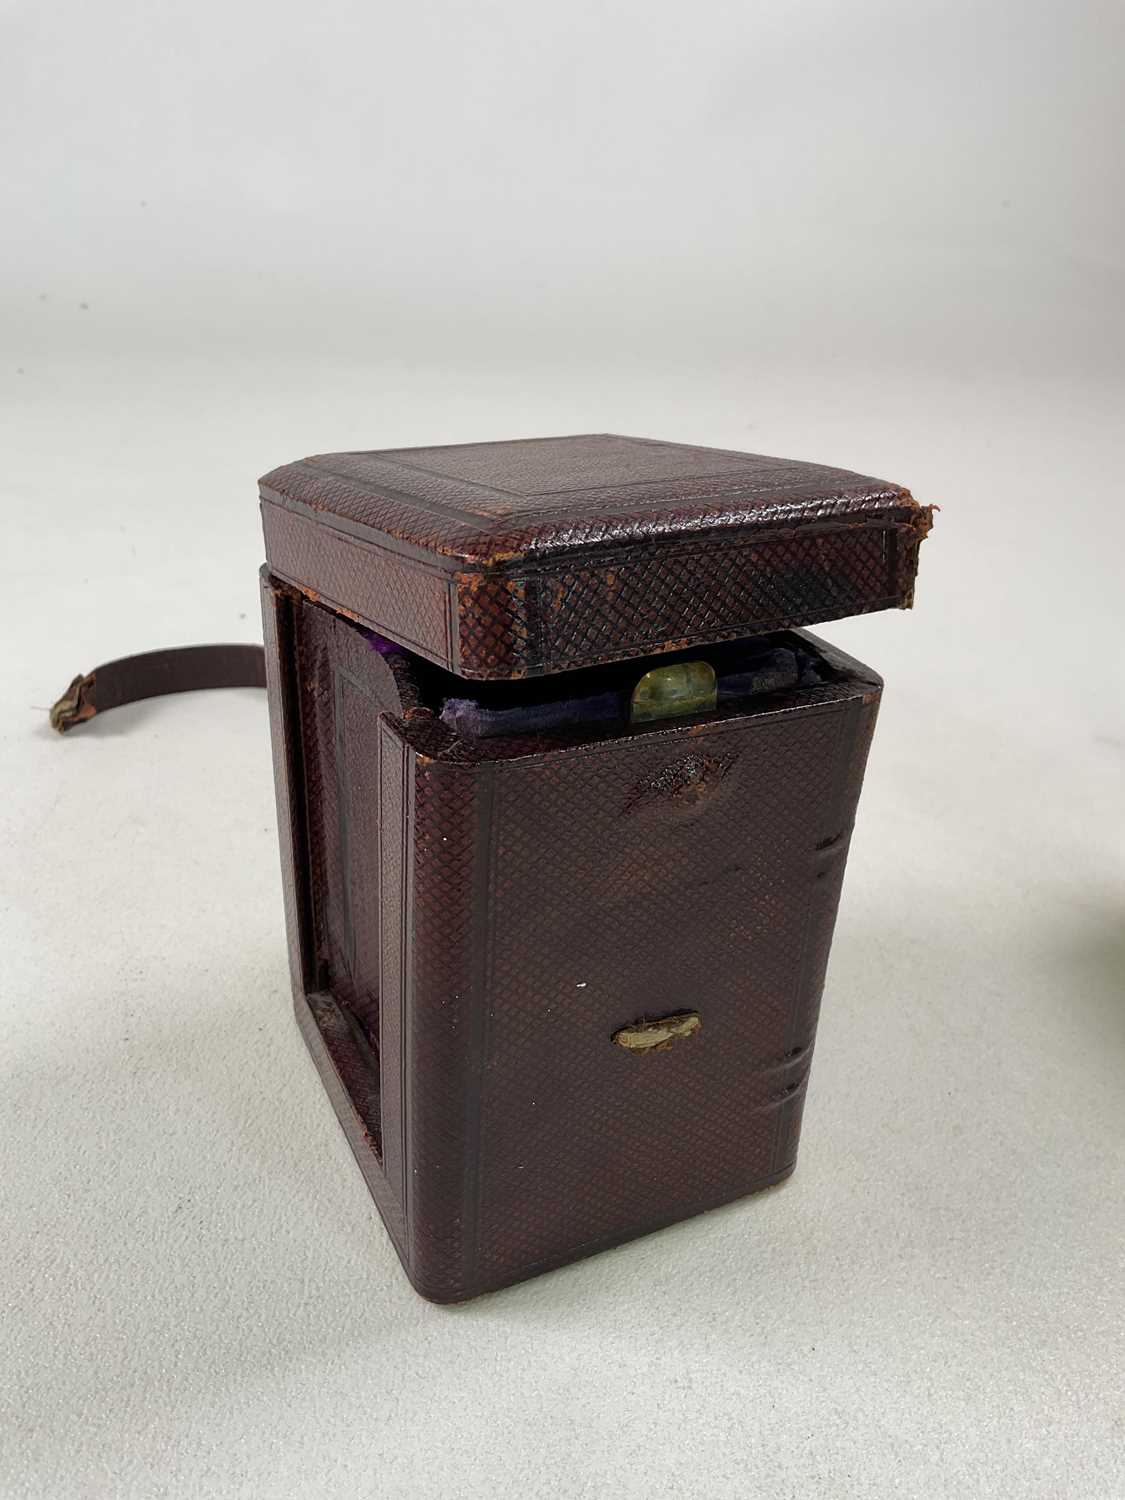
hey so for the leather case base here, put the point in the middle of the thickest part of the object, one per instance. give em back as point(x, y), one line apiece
point(472, 926)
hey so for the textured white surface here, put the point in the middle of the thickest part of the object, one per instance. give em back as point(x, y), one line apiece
point(198, 1297)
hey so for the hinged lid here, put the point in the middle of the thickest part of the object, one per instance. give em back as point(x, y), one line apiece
point(521, 558)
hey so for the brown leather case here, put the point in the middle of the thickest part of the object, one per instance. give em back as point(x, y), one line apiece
point(475, 925)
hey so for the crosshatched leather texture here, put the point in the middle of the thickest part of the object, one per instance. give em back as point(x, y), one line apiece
point(524, 558)
point(472, 922)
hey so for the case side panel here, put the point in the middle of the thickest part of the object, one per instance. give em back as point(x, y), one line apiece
point(332, 690)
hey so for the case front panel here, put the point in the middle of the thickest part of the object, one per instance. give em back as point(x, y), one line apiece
point(692, 870)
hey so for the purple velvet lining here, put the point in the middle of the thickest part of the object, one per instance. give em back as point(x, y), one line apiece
point(381, 644)
point(470, 720)
point(770, 672)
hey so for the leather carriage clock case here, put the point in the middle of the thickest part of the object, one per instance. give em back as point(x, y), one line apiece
point(485, 928)
point(564, 797)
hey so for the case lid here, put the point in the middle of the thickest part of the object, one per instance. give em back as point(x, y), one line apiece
point(515, 559)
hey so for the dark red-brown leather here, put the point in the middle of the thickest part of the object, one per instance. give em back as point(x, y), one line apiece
point(469, 930)
point(474, 924)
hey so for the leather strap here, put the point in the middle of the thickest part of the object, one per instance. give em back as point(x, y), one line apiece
point(181, 669)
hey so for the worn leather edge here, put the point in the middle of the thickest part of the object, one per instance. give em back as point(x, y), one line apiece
point(902, 513)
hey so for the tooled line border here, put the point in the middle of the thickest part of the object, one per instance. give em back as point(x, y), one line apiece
point(487, 825)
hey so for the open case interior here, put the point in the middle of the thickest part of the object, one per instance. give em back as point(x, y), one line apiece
point(498, 718)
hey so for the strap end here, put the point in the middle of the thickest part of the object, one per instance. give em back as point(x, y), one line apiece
point(75, 705)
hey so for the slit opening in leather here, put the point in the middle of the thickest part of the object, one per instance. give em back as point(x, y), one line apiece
point(599, 699)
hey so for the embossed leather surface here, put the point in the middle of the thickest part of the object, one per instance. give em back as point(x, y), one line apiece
point(473, 923)
point(522, 558)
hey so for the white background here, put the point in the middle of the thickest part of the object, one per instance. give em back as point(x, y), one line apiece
point(882, 236)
